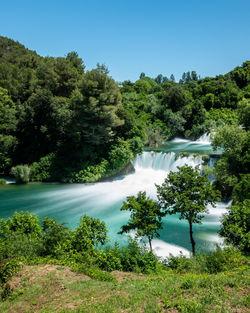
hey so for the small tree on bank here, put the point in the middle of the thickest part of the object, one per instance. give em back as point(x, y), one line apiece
point(187, 192)
point(145, 217)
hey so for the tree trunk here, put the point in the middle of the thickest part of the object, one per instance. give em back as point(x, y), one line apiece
point(150, 244)
point(191, 236)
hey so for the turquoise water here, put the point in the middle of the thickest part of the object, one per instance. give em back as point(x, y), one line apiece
point(67, 202)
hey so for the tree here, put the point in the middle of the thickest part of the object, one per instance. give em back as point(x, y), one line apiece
point(172, 78)
point(90, 232)
point(8, 124)
point(187, 192)
point(94, 110)
point(145, 216)
point(236, 226)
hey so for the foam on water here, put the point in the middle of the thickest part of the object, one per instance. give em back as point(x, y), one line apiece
point(165, 250)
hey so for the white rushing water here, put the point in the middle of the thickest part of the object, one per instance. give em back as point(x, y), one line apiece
point(103, 200)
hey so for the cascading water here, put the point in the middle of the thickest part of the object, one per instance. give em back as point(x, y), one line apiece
point(67, 203)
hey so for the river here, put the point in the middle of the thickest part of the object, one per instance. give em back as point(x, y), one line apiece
point(67, 202)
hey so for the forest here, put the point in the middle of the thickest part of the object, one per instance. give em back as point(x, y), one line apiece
point(61, 123)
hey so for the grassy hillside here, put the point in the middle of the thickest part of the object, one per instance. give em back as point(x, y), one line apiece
point(54, 288)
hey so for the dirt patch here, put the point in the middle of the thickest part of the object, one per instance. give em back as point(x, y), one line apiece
point(123, 276)
point(33, 272)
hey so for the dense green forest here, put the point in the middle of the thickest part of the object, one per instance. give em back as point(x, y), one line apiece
point(71, 125)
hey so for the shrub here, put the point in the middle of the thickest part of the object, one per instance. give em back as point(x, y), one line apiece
point(136, 258)
point(2, 181)
point(222, 260)
point(91, 173)
point(90, 233)
point(7, 269)
point(21, 173)
point(23, 222)
point(56, 239)
point(41, 171)
point(120, 155)
point(181, 263)
point(108, 261)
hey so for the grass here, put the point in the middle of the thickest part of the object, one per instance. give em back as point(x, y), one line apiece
point(54, 289)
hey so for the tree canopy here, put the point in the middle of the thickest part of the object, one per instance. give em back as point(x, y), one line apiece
point(145, 216)
point(187, 193)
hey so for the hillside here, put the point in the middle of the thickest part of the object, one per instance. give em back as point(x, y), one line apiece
point(54, 289)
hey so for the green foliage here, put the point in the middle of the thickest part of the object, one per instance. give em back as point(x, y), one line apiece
point(236, 225)
point(42, 170)
point(224, 116)
point(7, 269)
point(119, 155)
point(95, 272)
point(22, 222)
point(135, 258)
point(243, 111)
point(187, 192)
point(91, 173)
point(56, 238)
point(8, 123)
point(230, 138)
point(241, 190)
point(235, 158)
point(145, 85)
point(2, 181)
point(145, 217)
point(21, 173)
point(211, 262)
point(91, 232)
point(108, 261)
point(94, 108)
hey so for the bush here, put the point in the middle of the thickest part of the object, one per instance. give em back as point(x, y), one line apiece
point(56, 238)
point(41, 171)
point(90, 233)
point(7, 269)
point(23, 222)
point(223, 260)
point(91, 173)
point(119, 156)
point(108, 261)
point(136, 258)
point(181, 263)
point(21, 173)
point(2, 181)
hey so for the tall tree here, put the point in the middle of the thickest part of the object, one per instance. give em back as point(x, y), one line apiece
point(145, 217)
point(172, 78)
point(187, 192)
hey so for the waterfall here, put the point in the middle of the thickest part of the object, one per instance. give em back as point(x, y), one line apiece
point(163, 161)
point(204, 139)
point(103, 200)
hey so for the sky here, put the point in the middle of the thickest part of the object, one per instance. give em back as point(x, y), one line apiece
point(210, 37)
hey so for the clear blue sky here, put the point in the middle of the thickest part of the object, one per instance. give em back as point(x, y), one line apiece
point(130, 37)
